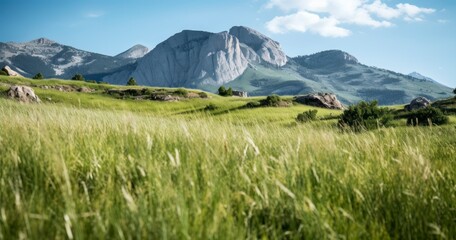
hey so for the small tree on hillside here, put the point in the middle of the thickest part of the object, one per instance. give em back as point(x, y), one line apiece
point(78, 77)
point(229, 92)
point(222, 91)
point(38, 76)
point(131, 82)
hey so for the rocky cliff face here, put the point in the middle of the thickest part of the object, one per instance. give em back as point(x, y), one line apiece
point(135, 52)
point(266, 49)
point(194, 58)
point(190, 58)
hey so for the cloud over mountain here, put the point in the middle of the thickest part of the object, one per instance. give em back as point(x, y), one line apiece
point(330, 18)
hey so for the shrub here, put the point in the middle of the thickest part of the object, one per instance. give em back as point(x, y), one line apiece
point(38, 76)
point(210, 107)
point(78, 77)
point(427, 116)
point(3, 73)
point(91, 81)
point(203, 95)
point(181, 92)
point(253, 105)
point(365, 116)
point(229, 92)
point(272, 100)
point(307, 116)
point(131, 82)
point(222, 91)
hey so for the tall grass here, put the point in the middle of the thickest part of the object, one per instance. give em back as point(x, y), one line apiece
point(67, 172)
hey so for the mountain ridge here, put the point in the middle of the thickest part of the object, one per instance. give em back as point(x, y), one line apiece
point(241, 58)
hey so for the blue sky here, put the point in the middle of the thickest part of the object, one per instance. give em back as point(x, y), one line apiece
point(418, 35)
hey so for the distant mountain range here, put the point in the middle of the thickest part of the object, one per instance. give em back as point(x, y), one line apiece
point(241, 58)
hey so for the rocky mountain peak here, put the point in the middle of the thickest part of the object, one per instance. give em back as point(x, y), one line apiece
point(267, 49)
point(328, 59)
point(190, 58)
point(135, 52)
point(42, 41)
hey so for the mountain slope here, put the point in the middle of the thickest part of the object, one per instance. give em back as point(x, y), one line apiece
point(135, 52)
point(340, 73)
point(55, 60)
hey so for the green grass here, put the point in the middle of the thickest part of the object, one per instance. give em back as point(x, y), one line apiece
point(90, 166)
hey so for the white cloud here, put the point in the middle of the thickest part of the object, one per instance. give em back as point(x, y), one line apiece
point(307, 22)
point(326, 17)
point(94, 14)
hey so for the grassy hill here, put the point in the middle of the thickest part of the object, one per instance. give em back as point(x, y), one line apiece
point(93, 166)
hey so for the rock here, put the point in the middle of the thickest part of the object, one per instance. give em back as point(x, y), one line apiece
point(84, 90)
point(190, 58)
point(165, 98)
point(418, 103)
point(323, 100)
point(265, 48)
point(23, 94)
point(137, 51)
point(11, 72)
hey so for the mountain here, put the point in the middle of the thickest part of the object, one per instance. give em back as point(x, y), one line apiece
point(241, 58)
point(247, 60)
point(135, 52)
point(57, 60)
point(421, 77)
point(207, 60)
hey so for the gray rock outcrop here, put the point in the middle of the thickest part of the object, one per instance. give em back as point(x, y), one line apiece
point(266, 49)
point(418, 103)
point(11, 72)
point(190, 58)
point(23, 94)
point(135, 52)
point(323, 100)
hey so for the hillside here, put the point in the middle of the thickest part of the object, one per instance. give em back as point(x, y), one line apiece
point(53, 59)
point(93, 165)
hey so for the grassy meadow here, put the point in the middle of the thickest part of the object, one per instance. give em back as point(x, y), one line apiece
point(89, 166)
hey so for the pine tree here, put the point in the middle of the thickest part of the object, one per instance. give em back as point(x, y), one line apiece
point(78, 77)
point(131, 82)
point(38, 76)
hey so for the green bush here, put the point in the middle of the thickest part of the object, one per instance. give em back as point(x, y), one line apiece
point(272, 100)
point(38, 76)
point(131, 82)
point(253, 105)
point(181, 92)
point(427, 116)
point(203, 95)
point(210, 107)
point(3, 73)
point(91, 81)
point(365, 116)
point(222, 91)
point(307, 116)
point(78, 77)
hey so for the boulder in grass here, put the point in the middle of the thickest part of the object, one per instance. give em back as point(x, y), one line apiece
point(418, 103)
point(11, 72)
point(323, 100)
point(23, 94)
